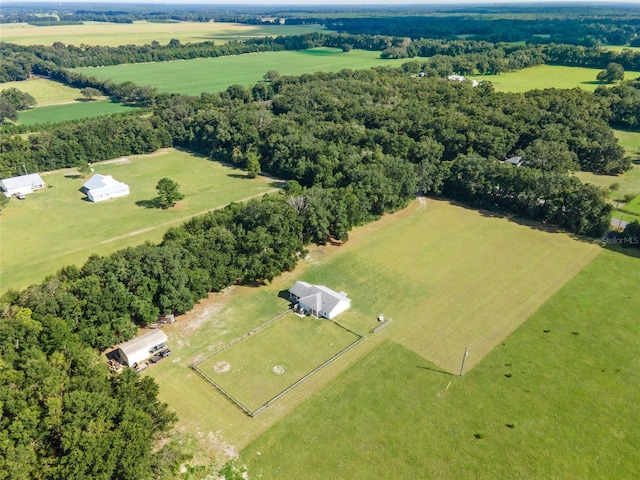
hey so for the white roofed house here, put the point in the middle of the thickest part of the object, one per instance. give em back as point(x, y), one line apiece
point(24, 184)
point(142, 348)
point(104, 187)
point(318, 300)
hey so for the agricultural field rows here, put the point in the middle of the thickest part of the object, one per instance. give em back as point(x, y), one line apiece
point(57, 226)
point(141, 32)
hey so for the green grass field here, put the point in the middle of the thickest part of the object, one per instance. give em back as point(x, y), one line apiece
point(56, 226)
point(557, 399)
point(215, 74)
point(46, 92)
point(629, 182)
point(546, 76)
point(71, 111)
point(264, 364)
point(448, 276)
point(139, 33)
point(634, 205)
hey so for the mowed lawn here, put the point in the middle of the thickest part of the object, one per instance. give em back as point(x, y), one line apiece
point(557, 399)
point(57, 226)
point(449, 278)
point(142, 32)
point(46, 92)
point(262, 365)
point(71, 111)
point(216, 74)
point(546, 76)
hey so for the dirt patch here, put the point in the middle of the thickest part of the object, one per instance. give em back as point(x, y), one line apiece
point(205, 308)
point(115, 161)
point(278, 369)
point(222, 367)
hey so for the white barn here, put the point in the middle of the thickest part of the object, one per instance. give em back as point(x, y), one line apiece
point(318, 300)
point(104, 187)
point(24, 184)
point(142, 348)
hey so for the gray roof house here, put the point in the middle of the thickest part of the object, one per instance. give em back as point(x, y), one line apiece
point(517, 160)
point(103, 187)
point(318, 300)
point(23, 184)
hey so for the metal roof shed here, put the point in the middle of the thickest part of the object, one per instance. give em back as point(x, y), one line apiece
point(141, 348)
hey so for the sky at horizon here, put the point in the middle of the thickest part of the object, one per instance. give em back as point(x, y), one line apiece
point(277, 3)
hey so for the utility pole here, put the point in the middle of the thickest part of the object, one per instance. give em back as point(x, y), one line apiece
point(464, 357)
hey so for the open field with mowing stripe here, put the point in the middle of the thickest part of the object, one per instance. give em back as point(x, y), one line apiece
point(634, 205)
point(46, 92)
point(71, 111)
point(262, 365)
point(56, 226)
point(557, 399)
point(216, 74)
point(546, 76)
point(448, 276)
point(139, 33)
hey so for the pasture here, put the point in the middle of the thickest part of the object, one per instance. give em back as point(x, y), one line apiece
point(57, 226)
point(142, 32)
point(216, 74)
point(266, 363)
point(71, 111)
point(556, 399)
point(46, 92)
point(448, 276)
point(546, 76)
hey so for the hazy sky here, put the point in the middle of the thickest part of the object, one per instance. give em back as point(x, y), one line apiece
point(324, 2)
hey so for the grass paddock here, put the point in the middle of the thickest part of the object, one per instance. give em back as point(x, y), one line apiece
point(46, 92)
point(556, 399)
point(57, 226)
point(448, 276)
point(71, 111)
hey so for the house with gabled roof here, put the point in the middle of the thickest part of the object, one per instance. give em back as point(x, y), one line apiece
point(23, 184)
point(103, 187)
point(318, 300)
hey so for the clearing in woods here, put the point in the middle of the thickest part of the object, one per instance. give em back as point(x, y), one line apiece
point(216, 74)
point(57, 226)
point(448, 276)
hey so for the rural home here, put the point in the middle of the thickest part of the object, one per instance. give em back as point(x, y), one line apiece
point(318, 300)
point(101, 187)
point(517, 161)
point(142, 348)
point(24, 184)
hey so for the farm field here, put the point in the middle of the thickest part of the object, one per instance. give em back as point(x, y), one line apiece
point(449, 278)
point(141, 32)
point(556, 399)
point(546, 76)
point(71, 111)
point(57, 226)
point(46, 92)
point(216, 74)
point(262, 365)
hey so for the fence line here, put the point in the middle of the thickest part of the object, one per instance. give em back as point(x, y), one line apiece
point(229, 397)
point(239, 339)
point(381, 326)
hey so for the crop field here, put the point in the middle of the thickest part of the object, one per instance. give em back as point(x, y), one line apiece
point(46, 92)
point(449, 278)
point(71, 111)
point(556, 399)
point(57, 226)
point(546, 76)
point(216, 74)
point(266, 363)
point(141, 32)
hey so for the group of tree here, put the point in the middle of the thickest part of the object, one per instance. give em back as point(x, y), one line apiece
point(12, 101)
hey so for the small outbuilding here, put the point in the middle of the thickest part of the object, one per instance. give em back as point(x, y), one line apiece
point(104, 187)
point(142, 348)
point(318, 300)
point(24, 184)
point(516, 161)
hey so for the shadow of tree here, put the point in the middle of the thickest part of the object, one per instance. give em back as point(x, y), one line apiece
point(153, 203)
